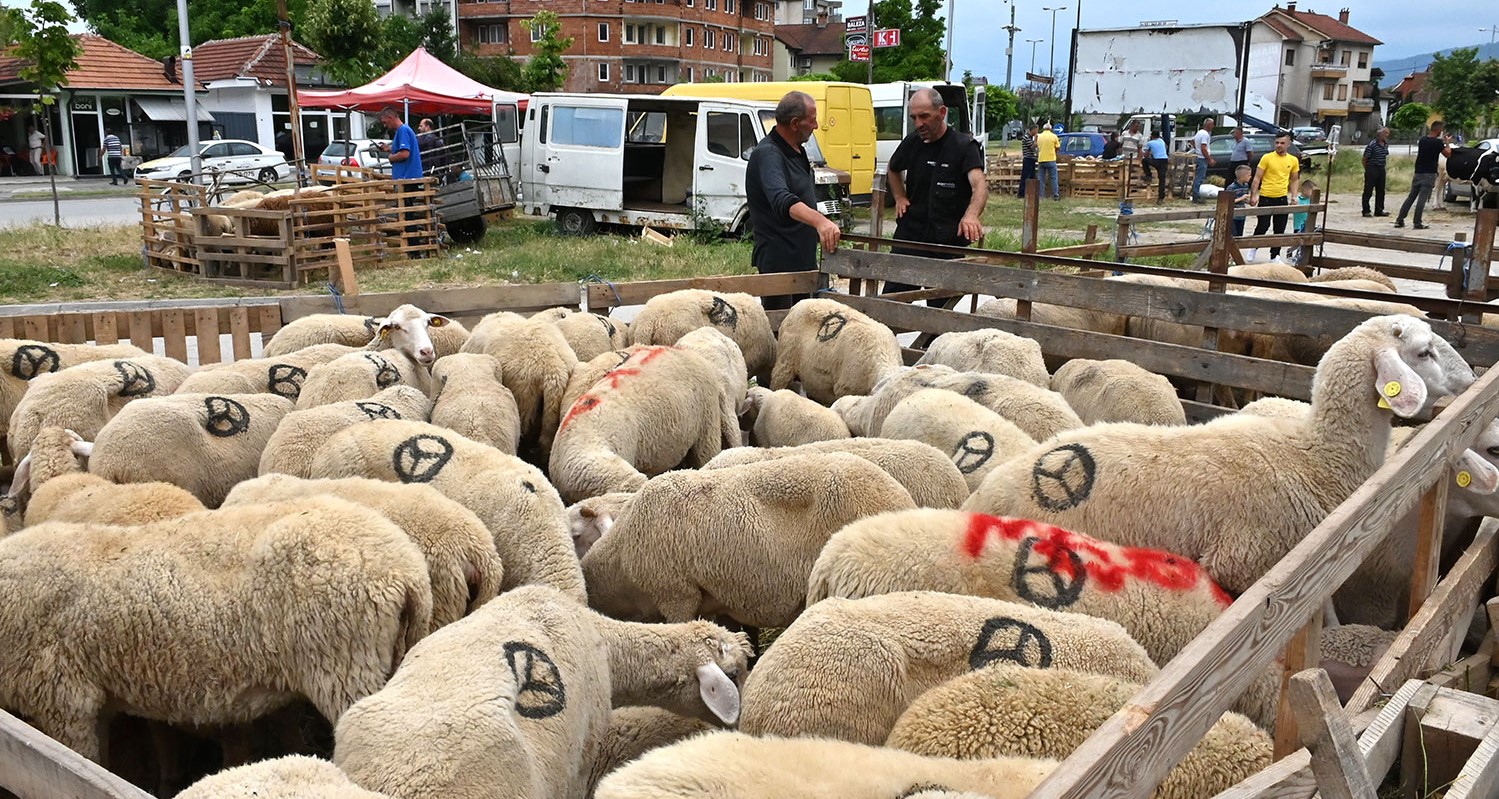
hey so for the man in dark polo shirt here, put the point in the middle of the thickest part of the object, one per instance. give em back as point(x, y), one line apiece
point(783, 199)
point(1429, 150)
point(943, 191)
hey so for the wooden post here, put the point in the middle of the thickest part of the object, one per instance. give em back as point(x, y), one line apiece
point(1336, 759)
point(1030, 231)
point(1218, 259)
point(1303, 651)
point(1483, 246)
point(1090, 236)
point(1457, 280)
point(1432, 515)
point(877, 209)
point(1121, 237)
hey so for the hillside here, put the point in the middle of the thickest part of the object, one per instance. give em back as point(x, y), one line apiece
point(1397, 68)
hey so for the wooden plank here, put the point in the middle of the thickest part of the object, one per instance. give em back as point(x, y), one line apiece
point(71, 329)
point(206, 331)
point(105, 331)
point(1131, 752)
point(36, 328)
point(140, 330)
point(1431, 520)
point(1385, 242)
point(1479, 778)
point(1336, 761)
point(1401, 271)
point(239, 333)
point(1441, 734)
point(1303, 653)
point(475, 301)
point(174, 333)
point(34, 766)
point(7, 327)
point(603, 295)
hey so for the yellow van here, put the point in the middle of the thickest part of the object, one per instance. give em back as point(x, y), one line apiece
point(845, 115)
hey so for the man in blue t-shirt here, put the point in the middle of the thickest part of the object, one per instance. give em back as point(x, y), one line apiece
point(405, 152)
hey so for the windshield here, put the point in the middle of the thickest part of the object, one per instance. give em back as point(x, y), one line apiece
point(814, 153)
point(185, 151)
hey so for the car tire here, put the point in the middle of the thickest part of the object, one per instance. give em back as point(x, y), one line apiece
point(267, 175)
point(467, 231)
point(575, 222)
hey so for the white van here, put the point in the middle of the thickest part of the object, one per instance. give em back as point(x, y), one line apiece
point(892, 123)
point(668, 162)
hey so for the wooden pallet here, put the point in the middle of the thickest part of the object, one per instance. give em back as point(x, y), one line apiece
point(167, 227)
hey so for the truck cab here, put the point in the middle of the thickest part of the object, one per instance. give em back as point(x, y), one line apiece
point(892, 123)
point(666, 162)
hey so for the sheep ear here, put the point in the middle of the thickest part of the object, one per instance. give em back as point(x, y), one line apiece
point(1400, 388)
point(83, 449)
point(437, 321)
point(21, 478)
point(719, 692)
point(1476, 474)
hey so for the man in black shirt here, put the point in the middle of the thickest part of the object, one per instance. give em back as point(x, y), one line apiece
point(939, 199)
point(1376, 154)
point(783, 198)
point(1428, 151)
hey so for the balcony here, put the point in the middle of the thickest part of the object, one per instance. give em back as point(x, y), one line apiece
point(1361, 104)
point(1329, 71)
point(483, 10)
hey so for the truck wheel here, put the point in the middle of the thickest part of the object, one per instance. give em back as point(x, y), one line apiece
point(575, 222)
point(746, 228)
point(467, 231)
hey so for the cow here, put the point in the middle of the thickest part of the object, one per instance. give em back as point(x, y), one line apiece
point(1481, 169)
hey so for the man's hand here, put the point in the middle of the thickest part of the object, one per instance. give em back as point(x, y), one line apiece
point(901, 204)
point(1254, 199)
point(829, 234)
point(970, 228)
point(1212, 161)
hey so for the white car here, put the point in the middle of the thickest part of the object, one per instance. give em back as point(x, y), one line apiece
point(1462, 189)
point(356, 152)
point(241, 162)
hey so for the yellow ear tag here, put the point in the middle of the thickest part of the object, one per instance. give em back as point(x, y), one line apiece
point(1383, 403)
point(1464, 479)
point(384, 333)
point(1392, 388)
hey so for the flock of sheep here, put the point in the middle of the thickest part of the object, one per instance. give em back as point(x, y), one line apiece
point(928, 581)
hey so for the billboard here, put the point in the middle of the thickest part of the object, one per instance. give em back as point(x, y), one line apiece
point(1160, 67)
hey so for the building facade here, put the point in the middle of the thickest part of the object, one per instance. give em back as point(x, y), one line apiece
point(634, 47)
point(806, 12)
point(804, 49)
point(1315, 69)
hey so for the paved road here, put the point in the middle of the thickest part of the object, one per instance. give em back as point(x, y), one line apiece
point(76, 212)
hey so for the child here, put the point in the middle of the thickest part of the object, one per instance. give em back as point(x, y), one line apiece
point(1243, 177)
point(1303, 197)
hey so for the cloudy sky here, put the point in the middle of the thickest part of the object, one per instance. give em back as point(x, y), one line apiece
point(979, 41)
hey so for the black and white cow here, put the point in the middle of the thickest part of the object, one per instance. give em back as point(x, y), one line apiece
point(1481, 169)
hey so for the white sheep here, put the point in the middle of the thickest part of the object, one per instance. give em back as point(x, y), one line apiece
point(514, 700)
point(281, 375)
point(82, 398)
point(1363, 273)
point(1265, 271)
point(293, 777)
point(731, 765)
point(975, 438)
point(1007, 710)
point(738, 541)
point(291, 448)
point(633, 731)
point(1164, 487)
point(667, 317)
point(213, 618)
point(512, 498)
point(989, 351)
point(469, 397)
point(787, 419)
point(355, 331)
point(592, 371)
point(833, 350)
point(535, 362)
point(1117, 391)
point(359, 375)
point(462, 563)
point(22, 360)
point(847, 668)
point(1040, 412)
point(1056, 316)
point(204, 443)
point(661, 406)
point(1349, 652)
point(590, 519)
point(591, 335)
point(926, 473)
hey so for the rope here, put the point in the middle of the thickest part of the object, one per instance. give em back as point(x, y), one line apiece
point(1460, 331)
point(338, 297)
point(595, 278)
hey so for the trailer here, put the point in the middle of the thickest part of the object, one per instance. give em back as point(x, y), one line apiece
point(471, 170)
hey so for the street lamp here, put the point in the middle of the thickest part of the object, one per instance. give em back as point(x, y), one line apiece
point(1033, 43)
point(1052, 70)
point(1491, 30)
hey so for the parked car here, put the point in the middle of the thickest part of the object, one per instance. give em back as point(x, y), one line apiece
point(1307, 135)
point(1221, 147)
point(241, 161)
point(1081, 145)
point(1462, 189)
point(356, 152)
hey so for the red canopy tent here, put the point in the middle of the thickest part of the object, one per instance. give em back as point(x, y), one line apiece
point(420, 84)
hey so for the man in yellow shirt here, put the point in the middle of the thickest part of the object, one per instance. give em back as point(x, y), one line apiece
point(1273, 180)
point(1046, 160)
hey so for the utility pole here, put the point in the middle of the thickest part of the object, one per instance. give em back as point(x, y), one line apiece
point(869, 37)
point(1491, 30)
point(1033, 43)
point(1052, 70)
point(293, 113)
point(1010, 50)
point(190, 98)
point(947, 55)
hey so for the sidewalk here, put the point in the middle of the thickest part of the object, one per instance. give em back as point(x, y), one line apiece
point(38, 188)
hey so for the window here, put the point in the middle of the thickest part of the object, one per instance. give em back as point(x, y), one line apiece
point(660, 34)
point(242, 149)
point(1342, 91)
point(728, 5)
point(689, 74)
point(1363, 59)
point(1346, 58)
point(603, 73)
point(728, 42)
point(629, 34)
point(1290, 56)
point(507, 124)
point(629, 73)
point(535, 33)
point(588, 127)
point(890, 123)
point(711, 72)
point(545, 113)
point(707, 38)
point(760, 45)
point(661, 74)
point(1327, 91)
point(687, 36)
point(493, 34)
point(711, 5)
point(723, 134)
point(691, 3)
point(603, 31)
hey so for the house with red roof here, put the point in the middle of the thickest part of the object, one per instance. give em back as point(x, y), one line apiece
point(1316, 69)
point(804, 49)
point(246, 80)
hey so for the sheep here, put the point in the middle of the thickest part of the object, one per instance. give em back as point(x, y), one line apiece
point(293, 777)
point(661, 406)
point(667, 317)
point(591, 335)
point(633, 731)
point(1356, 273)
point(1117, 391)
point(833, 350)
point(22, 360)
point(535, 362)
point(989, 351)
point(1040, 412)
point(1266, 271)
point(291, 448)
point(478, 406)
point(976, 438)
point(204, 443)
point(359, 375)
point(1007, 710)
point(847, 668)
point(787, 419)
point(213, 618)
point(512, 498)
point(731, 765)
point(1056, 316)
point(463, 566)
point(281, 375)
point(354, 331)
point(927, 474)
point(738, 541)
point(594, 370)
point(726, 357)
point(592, 518)
point(83, 397)
point(514, 700)
point(1349, 652)
point(1148, 486)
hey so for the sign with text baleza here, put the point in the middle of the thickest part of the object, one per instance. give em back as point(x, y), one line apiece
point(887, 37)
point(858, 52)
point(856, 24)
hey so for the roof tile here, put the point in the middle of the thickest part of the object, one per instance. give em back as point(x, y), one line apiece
point(104, 65)
point(260, 57)
point(813, 39)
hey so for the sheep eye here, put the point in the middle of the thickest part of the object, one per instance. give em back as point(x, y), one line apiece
point(1493, 451)
point(1426, 353)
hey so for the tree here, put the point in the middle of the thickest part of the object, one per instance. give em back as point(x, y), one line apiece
point(399, 36)
point(150, 26)
point(39, 36)
point(1001, 106)
point(500, 72)
point(1458, 95)
point(920, 54)
point(1410, 117)
point(347, 34)
point(438, 35)
point(545, 70)
point(815, 76)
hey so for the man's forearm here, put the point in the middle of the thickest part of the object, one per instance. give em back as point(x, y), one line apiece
point(806, 214)
point(896, 185)
point(980, 187)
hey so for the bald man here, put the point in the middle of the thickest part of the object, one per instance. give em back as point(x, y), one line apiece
point(936, 177)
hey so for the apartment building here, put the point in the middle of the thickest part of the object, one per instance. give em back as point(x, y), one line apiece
point(1315, 68)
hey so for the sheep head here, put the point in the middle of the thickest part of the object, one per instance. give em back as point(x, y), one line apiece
point(406, 329)
point(1415, 366)
point(720, 660)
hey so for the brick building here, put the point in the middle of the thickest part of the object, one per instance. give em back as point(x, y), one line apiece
point(634, 47)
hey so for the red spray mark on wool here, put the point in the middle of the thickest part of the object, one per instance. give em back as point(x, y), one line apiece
point(627, 368)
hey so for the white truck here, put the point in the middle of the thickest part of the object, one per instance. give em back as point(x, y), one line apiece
point(666, 162)
point(892, 123)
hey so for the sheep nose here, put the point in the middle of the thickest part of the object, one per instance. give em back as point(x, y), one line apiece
point(426, 356)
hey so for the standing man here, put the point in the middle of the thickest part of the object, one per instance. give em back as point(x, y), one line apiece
point(1277, 173)
point(783, 199)
point(405, 156)
point(1200, 141)
point(1046, 159)
point(36, 141)
point(114, 154)
point(1376, 153)
point(1242, 154)
point(1431, 148)
point(943, 191)
point(1155, 150)
point(1131, 147)
point(427, 142)
point(1028, 153)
